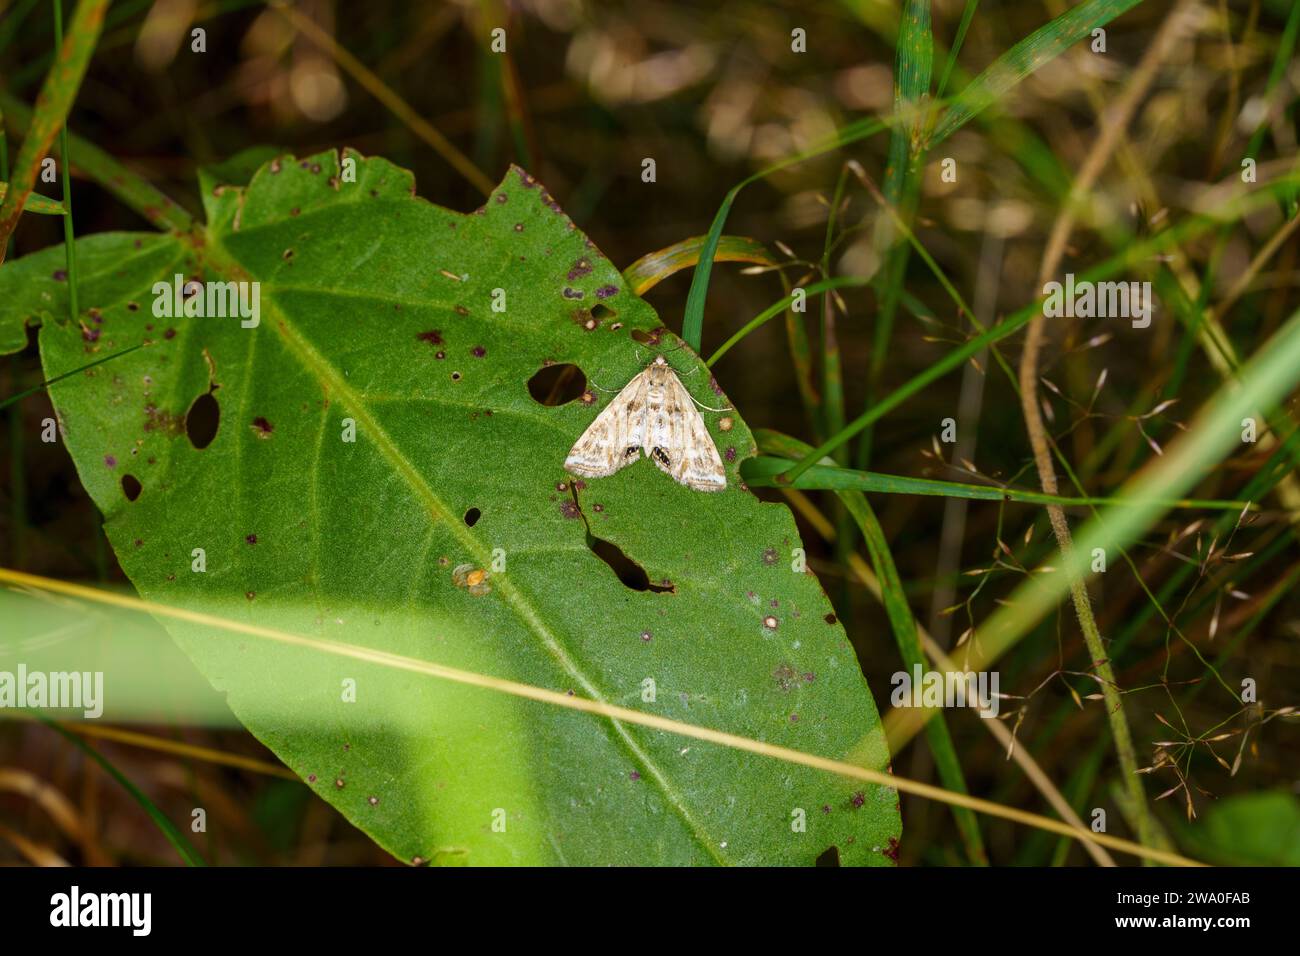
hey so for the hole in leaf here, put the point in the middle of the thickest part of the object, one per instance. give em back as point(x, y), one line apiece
point(131, 487)
point(600, 311)
point(557, 384)
point(645, 338)
point(629, 572)
point(830, 858)
point(202, 420)
point(472, 516)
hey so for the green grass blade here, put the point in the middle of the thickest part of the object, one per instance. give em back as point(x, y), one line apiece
point(165, 826)
point(57, 93)
point(903, 625)
point(128, 186)
point(761, 472)
point(65, 167)
point(693, 320)
point(914, 64)
point(1193, 225)
point(914, 61)
point(653, 267)
point(58, 378)
point(1040, 47)
point(967, 15)
point(1265, 380)
point(776, 308)
point(37, 203)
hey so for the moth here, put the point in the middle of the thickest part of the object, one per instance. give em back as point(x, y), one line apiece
point(653, 413)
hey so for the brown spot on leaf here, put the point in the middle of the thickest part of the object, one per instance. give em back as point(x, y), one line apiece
point(159, 420)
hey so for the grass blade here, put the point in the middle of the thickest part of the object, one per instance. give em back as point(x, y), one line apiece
point(1040, 47)
point(693, 320)
point(1265, 380)
point(653, 267)
point(761, 472)
point(131, 188)
point(58, 378)
point(57, 93)
point(36, 203)
point(903, 624)
point(1193, 225)
point(777, 308)
point(165, 826)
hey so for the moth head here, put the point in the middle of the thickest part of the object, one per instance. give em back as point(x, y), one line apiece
point(659, 360)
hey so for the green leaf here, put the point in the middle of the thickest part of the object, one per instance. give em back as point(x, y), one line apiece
point(1249, 829)
point(903, 624)
point(376, 313)
point(236, 170)
point(37, 203)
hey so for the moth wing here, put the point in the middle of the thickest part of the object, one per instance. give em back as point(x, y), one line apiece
point(680, 433)
point(614, 439)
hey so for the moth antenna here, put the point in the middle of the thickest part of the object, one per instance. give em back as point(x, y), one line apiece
point(728, 408)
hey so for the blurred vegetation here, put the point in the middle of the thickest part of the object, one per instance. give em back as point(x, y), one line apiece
point(713, 93)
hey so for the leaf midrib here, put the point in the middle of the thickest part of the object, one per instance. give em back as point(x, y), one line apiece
point(224, 262)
